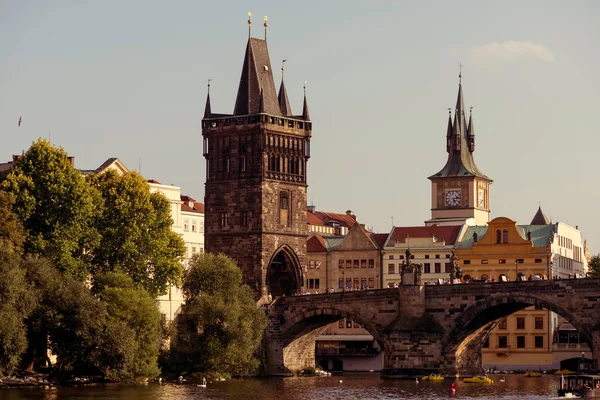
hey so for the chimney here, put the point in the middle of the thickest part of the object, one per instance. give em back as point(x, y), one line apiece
point(71, 161)
point(351, 214)
point(311, 208)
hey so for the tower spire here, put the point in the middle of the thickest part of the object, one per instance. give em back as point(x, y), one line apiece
point(471, 132)
point(305, 114)
point(207, 110)
point(249, 24)
point(284, 103)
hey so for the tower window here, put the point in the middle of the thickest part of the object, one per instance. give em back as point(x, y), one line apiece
point(242, 164)
point(498, 236)
point(505, 236)
point(284, 200)
point(223, 219)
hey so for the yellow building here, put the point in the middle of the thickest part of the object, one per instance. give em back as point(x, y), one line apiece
point(504, 251)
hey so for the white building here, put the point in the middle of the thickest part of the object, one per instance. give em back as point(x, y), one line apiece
point(430, 246)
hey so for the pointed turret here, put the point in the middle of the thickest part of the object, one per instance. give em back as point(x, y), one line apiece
point(540, 218)
point(284, 103)
point(460, 143)
point(471, 132)
point(207, 111)
point(305, 114)
point(256, 76)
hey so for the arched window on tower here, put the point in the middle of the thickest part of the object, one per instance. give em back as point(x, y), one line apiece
point(498, 236)
point(505, 236)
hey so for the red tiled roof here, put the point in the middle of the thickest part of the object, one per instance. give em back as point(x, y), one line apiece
point(324, 217)
point(447, 233)
point(153, 181)
point(380, 238)
point(316, 244)
point(312, 219)
point(199, 206)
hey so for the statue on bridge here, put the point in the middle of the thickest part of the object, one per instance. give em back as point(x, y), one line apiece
point(411, 272)
point(455, 271)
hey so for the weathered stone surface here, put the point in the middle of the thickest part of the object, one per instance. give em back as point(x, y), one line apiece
point(426, 329)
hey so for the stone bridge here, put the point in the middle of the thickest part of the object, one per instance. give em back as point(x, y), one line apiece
point(424, 329)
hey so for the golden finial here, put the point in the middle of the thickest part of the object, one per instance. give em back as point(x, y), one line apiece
point(209, 85)
point(265, 25)
point(460, 73)
point(304, 88)
point(282, 67)
point(249, 23)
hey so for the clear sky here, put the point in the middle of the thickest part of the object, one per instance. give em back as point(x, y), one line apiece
point(127, 79)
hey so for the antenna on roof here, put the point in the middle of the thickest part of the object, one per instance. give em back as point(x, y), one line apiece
point(249, 23)
point(265, 25)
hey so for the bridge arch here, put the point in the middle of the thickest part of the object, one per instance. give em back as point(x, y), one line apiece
point(301, 330)
point(462, 344)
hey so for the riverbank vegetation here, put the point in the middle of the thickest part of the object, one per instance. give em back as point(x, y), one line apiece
point(83, 258)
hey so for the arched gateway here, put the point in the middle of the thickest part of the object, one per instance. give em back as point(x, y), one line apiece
point(426, 329)
point(284, 273)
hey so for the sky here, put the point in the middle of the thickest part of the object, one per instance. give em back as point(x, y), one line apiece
point(128, 79)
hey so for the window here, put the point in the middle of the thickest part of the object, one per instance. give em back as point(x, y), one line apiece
point(437, 256)
point(371, 263)
point(283, 200)
point(193, 226)
point(447, 255)
point(391, 269)
point(539, 342)
point(503, 324)
point(438, 268)
point(363, 263)
point(412, 256)
point(244, 218)
point(356, 264)
point(223, 220)
point(243, 164)
point(466, 262)
point(486, 343)
point(349, 283)
point(502, 261)
point(348, 263)
point(193, 249)
point(520, 323)
point(313, 284)
point(348, 324)
point(341, 264)
point(538, 260)
point(341, 284)
point(427, 268)
point(505, 236)
point(356, 282)
point(311, 264)
point(341, 324)
point(363, 283)
point(400, 257)
point(539, 323)
point(498, 236)
point(448, 267)
point(371, 283)
point(391, 257)
point(426, 256)
point(520, 342)
point(484, 261)
point(186, 224)
point(503, 342)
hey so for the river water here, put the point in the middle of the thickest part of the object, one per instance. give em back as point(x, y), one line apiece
point(348, 386)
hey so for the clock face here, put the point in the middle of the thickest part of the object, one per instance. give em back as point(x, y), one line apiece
point(480, 198)
point(453, 198)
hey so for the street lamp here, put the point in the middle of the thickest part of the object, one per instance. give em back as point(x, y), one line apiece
point(516, 270)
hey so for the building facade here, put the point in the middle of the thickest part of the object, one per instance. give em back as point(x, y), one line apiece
point(255, 191)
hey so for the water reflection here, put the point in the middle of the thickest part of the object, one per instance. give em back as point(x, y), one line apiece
point(348, 386)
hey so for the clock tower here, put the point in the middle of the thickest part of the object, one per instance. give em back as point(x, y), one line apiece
point(460, 192)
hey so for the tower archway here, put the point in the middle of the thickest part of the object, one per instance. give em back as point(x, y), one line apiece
point(284, 273)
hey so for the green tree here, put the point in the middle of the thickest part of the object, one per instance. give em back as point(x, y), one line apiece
point(136, 235)
point(11, 229)
point(594, 267)
point(16, 303)
point(132, 306)
point(221, 327)
point(56, 206)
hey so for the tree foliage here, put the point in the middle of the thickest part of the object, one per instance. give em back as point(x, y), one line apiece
point(594, 266)
point(135, 230)
point(132, 306)
point(221, 327)
point(16, 303)
point(56, 206)
point(11, 230)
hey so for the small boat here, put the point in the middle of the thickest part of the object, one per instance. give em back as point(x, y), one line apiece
point(203, 384)
point(479, 379)
point(564, 372)
point(587, 386)
point(532, 374)
point(502, 380)
point(432, 378)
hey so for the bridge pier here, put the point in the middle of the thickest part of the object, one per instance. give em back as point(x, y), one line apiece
point(596, 349)
point(272, 349)
point(411, 353)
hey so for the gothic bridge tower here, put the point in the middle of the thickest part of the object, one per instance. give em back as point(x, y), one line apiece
point(460, 192)
point(255, 191)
